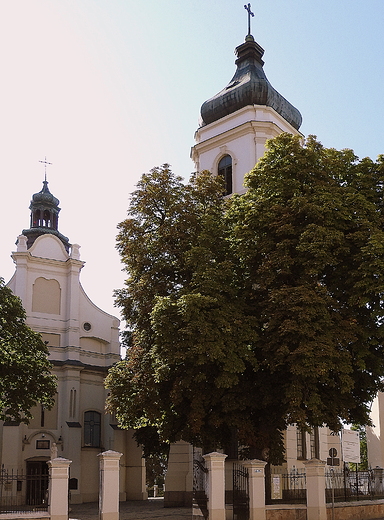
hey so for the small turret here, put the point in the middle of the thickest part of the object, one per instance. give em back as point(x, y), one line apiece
point(44, 217)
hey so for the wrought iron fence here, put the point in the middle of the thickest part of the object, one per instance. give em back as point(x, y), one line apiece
point(344, 485)
point(200, 493)
point(285, 486)
point(23, 492)
point(240, 492)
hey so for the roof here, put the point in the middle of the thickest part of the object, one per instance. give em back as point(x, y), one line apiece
point(249, 86)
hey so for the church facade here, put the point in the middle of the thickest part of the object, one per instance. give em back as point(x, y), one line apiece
point(83, 342)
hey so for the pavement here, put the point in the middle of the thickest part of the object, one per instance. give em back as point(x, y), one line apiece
point(151, 509)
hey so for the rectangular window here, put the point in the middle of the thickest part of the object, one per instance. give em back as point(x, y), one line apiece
point(315, 444)
point(301, 444)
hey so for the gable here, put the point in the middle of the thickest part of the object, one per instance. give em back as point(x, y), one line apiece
point(49, 246)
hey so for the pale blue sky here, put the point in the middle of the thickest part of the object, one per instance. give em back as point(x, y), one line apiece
point(107, 89)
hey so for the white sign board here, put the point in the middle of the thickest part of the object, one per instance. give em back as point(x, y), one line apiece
point(276, 492)
point(350, 443)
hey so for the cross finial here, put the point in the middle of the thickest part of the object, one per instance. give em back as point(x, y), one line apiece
point(45, 162)
point(248, 8)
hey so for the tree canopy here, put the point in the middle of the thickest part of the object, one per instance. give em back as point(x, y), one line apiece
point(25, 372)
point(258, 311)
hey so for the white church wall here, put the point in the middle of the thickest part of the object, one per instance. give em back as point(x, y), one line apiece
point(242, 135)
point(375, 444)
point(83, 342)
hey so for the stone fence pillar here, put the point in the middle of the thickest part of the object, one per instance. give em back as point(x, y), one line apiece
point(316, 503)
point(216, 485)
point(58, 488)
point(256, 474)
point(109, 466)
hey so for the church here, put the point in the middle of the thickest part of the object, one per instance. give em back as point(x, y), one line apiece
point(83, 342)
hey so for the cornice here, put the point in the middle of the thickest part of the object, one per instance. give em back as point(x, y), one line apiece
point(248, 127)
point(62, 264)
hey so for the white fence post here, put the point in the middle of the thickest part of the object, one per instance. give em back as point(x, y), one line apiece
point(316, 503)
point(256, 474)
point(216, 485)
point(58, 488)
point(109, 465)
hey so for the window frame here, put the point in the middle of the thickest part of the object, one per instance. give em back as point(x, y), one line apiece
point(315, 443)
point(226, 171)
point(92, 429)
point(301, 443)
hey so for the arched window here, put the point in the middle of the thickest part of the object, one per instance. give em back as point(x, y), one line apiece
point(225, 170)
point(36, 219)
point(46, 219)
point(92, 429)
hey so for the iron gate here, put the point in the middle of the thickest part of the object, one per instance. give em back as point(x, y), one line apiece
point(24, 491)
point(200, 496)
point(240, 492)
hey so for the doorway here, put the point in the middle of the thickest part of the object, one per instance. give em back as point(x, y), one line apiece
point(37, 483)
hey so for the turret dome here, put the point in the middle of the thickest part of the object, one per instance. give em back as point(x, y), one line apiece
point(249, 86)
point(45, 196)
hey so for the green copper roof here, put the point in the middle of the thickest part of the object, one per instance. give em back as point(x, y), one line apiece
point(249, 86)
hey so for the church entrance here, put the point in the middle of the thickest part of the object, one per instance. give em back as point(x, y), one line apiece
point(37, 483)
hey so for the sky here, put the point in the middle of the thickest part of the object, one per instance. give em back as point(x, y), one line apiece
point(108, 89)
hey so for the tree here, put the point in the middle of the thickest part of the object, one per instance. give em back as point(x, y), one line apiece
point(256, 312)
point(188, 340)
point(25, 377)
point(309, 234)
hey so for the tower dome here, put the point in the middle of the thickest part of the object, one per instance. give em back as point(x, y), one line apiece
point(44, 217)
point(249, 86)
point(237, 123)
point(44, 196)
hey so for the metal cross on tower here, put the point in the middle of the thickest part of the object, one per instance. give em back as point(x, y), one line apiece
point(45, 162)
point(248, 8)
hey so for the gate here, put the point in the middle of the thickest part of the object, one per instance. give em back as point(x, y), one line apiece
point(200, 497)
point(285, 486)
point(240, 492)
point(24, 491)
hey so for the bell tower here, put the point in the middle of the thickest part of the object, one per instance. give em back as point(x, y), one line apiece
point(44, 217)
point(236, 122)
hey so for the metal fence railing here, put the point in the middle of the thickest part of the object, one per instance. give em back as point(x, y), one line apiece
point(344, 485)
point(286, 486)
point(200, 491)
point(23, 491)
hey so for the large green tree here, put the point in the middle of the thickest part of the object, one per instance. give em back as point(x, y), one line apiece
point(188, 338)
point(248, 314)
point(25, 371)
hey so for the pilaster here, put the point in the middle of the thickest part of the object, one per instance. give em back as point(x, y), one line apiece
point(316, 503)
point(256, 474)
point(216, 485)
point(109, 465)
point(58, 488)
